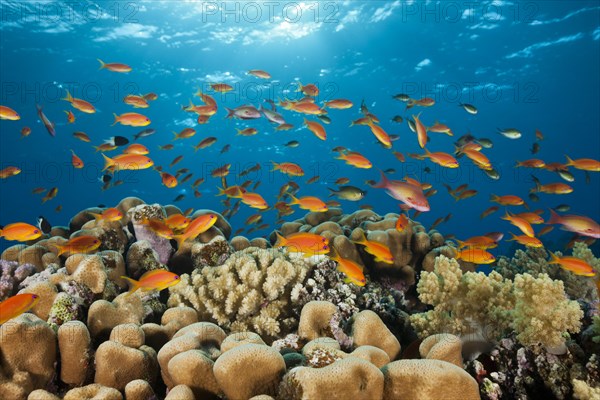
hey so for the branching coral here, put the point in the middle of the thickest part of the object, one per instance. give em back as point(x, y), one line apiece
point(536, 308)
point(11, 275)
point(542, 312)
point(463, 303)
point(250, 292)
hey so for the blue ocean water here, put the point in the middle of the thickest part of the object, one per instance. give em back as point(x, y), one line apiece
point(525, 65)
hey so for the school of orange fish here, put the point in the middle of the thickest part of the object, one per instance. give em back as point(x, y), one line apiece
point(411, 193)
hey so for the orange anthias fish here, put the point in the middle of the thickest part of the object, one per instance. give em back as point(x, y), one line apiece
point(178, 221)
point(288, 168)
point(81, 244)
point(531, 217)
point(127, 162)
point(440, 128)
point(234, 192)
point(70, 116)
point(185, 133)
point(553, 188)
point(136, 148)
point(476, 256)
point(159, 227)
point(17, 305)
point(260, 73)
point(380, 251)
point(221, 87)
point(50, 195)
point(410, 194)
point(136, 101)
point(573, 264)
point(478, 158)
point(307, 243)
point(20, 232)
point(316, 128)
point(381, 135)
point(114, 67)
point(157, 279)
point(254, 200)
point(478, 242)
point(353, 271)
point(131, 119)
point(526, 240)
point(25, 131)
point(310, 203)
point(532, 163)
point(108, 215)
point(80, 104)
point(309, 90)
point(198, 226)
point(442, 159)
point(355, 159)
point(585, 164)
point(520, 223)
point(577, 224)
point(507, 200)
point(168, 180)
point(221, 171)
point(402, 223)
point(9, 114)
point(424, 102)
point(9, 171)
point(421, 131)
point(340, 104)
point(76, 161)
point(82, 136)
point(489, 211)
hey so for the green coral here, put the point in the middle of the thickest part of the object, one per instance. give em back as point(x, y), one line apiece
point(64, 309)
point(535, 307)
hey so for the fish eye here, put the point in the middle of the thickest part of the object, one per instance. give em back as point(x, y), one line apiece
point(176, 277)
point(34, 296)
point(36, 231)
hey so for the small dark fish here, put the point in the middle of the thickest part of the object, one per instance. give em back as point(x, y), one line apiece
point(492, 174)
point(535, 148)
point(363, 107)
point(49, 125)
point(312, 180)
point(44, 225)
point(464, 139)
point(411, 125)
point(106, 178)
point(427, 170)
point(588, 178)
point(534, 197)
point(225, 148)
point(471, 109)
point(144, 133)
point(324, 118)
point(398, 119)
point(390, 171)
point(562, 208)
point(186, 178)
point(101, 206)
point(117, 141)
point(119, 182)
point(485, 143)
point(566, 175)
point(393, 138)
point(180, 197)
point(58, 208)
point(292, 144)
point(176, 160)
point(401, 97)
point(351, 193)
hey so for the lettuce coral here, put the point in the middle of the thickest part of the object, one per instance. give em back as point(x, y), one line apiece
point(536, 308)
point(250, 291)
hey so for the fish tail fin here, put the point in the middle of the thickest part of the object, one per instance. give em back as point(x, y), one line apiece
point(294, 200)
point(570, 162)
point(230, 113)
point(455, 196)
point(176, 135)
point(38, 108)
point(96, 216)
point(333, 192)
point(275, 166)
point(362, 238)
point(460, 243)
point(383, 183)
point(554, 218)
point(553, 258)
point(102, 64)
point(333, 255)
point(281, 241)
point(133, 285)
point(68, 97)
point(427, 153)
point(180, 239)
point(117, 119)
point(494, 197)
point(108, 162)
point(1, 233)
point(299, 86)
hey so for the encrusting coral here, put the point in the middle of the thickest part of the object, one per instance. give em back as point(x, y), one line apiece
point(464, 303)
point(250, 291)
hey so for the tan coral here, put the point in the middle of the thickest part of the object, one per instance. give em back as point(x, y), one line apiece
point(315, 320)
point(180, 392)
point(94, 391)
point(139, 389)
point(28, 354)
point(119, 360)
point(171, 321)
point(103, 316)
point(372, 354)
point(443, 346)
point(369, 329)
point(249, 370)
point(41, 394)
point(75, 351)
point(249, 292)
point(47, 293)
point(428, 380)
point(240, 338)
point(203, 336)
point(350, 378)
point(33, 255)
point(89, 270)
point(194, 369)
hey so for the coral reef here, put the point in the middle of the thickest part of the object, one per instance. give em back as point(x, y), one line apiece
point(11, 275)
point(250, 291)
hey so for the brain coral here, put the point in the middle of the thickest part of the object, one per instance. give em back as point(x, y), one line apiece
point(250, 291)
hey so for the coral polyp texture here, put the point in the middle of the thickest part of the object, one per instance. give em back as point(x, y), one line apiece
point(246, 319)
